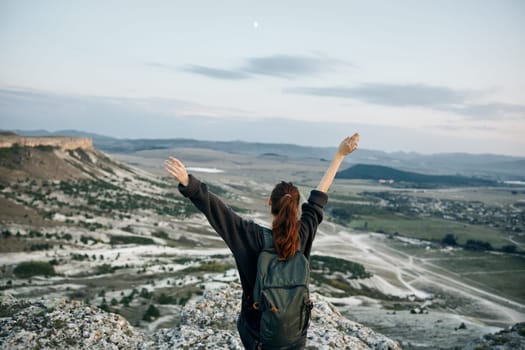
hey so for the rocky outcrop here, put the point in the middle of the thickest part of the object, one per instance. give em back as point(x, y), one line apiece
point(62, 142)
point(61, 324)
point(212, 318)
point(206, 322)
point(511, 338)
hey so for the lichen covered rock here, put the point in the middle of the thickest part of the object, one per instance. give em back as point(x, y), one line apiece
point(62, 324)
point(512, 338)
point(206, 322)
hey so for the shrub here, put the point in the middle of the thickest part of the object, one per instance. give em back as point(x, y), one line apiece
point(34, 268)
point(166, 299)
point(46, 148)
point(104, 306)
point(160, 234)
point(85, 239)
point(477, 245)
point(130, 240)
point(40, 246)
point(10, 155)
point(104, 268)
point(210, 267)
point(320, 262)
point(511, 248)
point(450, 240)
point(151, 313)
point(144, 293)
point(341, 214)
point(33, 234)
point(79, 257)
point(126, 300)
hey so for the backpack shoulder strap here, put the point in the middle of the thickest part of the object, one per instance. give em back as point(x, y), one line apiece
point(267, 239)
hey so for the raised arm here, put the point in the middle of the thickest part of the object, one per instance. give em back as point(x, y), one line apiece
point(176, 168)
point(238, 233)
point(347, 146)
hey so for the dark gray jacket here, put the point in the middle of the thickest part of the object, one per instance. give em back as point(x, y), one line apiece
point(245, 237)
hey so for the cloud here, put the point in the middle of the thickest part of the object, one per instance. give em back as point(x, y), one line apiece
point(286, 66)
point(167, 118)
point(454, 127)
point(390, 94)
point(490, 110)
point(27, 109)
point(216, 73)
point(281, 66)
point(418, 95)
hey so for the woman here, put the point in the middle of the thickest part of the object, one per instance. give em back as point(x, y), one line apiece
point(245, 238)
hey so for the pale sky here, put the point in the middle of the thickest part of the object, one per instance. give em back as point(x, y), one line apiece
point(416, 76)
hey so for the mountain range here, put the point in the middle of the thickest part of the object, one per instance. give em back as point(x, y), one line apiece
point(488, 166)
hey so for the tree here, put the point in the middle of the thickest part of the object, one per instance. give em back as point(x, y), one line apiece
point(449, 240)
point(151, 312)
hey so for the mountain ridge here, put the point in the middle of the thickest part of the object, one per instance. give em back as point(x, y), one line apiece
point(63, 142)
point(95, 136)
point(496, 167)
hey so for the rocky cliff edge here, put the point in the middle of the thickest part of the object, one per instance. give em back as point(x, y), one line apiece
point(206, 322)
point(63, 142)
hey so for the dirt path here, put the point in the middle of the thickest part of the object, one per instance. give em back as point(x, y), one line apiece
point(415, 275)
point(517, 244)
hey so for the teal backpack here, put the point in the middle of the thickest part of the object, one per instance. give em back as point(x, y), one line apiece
point(281, 294)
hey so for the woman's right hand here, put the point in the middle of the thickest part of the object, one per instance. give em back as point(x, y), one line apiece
point(178, 170)
point(348, 145)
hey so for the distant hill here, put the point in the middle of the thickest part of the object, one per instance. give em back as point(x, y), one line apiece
point(378, 172)
point(491, 166)
point(54, 158)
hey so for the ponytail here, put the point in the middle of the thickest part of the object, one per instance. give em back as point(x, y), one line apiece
point(285, 226)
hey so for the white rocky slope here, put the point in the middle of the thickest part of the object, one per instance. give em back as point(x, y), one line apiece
point(206, 322)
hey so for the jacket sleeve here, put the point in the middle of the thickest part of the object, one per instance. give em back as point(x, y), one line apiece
point(311, 217)
point(240, 235)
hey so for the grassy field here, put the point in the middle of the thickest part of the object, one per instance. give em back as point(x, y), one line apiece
point(502, 274)
point(507, 283)
point(426, 228)
point(499, 273)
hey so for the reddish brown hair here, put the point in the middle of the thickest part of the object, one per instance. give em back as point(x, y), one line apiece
point(285, 226)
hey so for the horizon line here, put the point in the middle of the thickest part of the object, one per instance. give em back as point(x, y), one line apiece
point(16, 131)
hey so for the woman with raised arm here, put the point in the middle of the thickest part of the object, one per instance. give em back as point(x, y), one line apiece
point(246, 239)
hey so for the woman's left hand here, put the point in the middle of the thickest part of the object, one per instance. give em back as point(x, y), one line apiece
point(178, 170)
point(348, 145)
